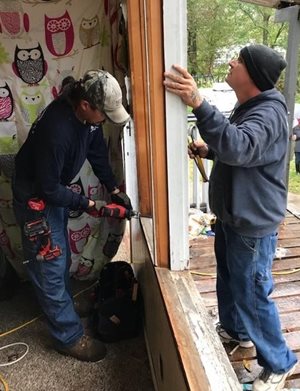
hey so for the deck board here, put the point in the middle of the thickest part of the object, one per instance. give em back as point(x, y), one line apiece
point(286, 274)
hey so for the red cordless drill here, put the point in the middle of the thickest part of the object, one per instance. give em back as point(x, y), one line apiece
point(113, 210)
point(38, 228)
point(117, 211)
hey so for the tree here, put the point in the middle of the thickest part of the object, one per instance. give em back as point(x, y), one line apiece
point(219, 26)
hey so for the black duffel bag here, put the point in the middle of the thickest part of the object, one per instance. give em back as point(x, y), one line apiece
point(118, 310)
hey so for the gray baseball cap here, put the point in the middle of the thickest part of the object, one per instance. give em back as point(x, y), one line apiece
point(104, 92)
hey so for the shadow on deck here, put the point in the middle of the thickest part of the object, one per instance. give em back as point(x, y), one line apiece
point(286, 273)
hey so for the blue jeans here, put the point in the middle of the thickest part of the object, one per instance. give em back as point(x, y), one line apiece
point(244, 283)
point(51, 278)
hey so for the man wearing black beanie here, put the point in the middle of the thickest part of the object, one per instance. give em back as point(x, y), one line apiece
point(247, 193)
point(263, 64)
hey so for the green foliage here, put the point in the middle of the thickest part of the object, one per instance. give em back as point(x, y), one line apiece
point(217, 29)
point(220, 27)
point(294, 179)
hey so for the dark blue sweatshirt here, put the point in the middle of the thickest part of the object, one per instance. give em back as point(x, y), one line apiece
point(247, 183)
point(53, 153)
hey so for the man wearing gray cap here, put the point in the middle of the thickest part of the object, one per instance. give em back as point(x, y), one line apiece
point(247, 193)
point(66, 134)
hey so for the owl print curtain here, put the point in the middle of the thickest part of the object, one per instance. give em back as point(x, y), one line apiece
point(42, 42)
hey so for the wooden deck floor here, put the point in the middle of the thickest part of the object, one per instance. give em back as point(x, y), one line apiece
point(286, 272)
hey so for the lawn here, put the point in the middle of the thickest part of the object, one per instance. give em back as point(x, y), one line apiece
point(294, 179)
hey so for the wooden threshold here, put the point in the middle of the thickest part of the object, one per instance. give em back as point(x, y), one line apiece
point(205, 365)
point(286, 273)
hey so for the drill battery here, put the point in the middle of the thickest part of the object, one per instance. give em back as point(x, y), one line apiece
point(35, 228)
point(39, 229)
point(47, 252)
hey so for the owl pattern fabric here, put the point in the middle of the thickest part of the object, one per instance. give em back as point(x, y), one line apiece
point(40, 44)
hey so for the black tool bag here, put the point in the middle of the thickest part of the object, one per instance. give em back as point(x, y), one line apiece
point(118, 310)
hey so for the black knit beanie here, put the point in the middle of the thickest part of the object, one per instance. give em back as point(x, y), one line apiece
point(263, 64)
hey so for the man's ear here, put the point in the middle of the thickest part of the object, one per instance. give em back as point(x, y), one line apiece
point(84, 105)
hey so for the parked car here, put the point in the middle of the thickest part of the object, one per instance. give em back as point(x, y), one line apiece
point(222, 96)
point(296, 115)
point(297, 111)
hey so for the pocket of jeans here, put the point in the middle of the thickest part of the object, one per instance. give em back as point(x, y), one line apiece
point(249, 242)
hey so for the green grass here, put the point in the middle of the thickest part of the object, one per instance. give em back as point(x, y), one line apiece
point(294, 179)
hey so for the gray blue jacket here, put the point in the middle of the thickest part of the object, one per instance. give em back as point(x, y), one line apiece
point(247, 183)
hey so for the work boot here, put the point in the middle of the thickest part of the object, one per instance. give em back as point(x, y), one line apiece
point(85, 349)
point(269, 381)
point(226, 338)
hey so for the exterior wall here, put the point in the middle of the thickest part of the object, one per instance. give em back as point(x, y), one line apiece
point(184, 349)
point(167, 370)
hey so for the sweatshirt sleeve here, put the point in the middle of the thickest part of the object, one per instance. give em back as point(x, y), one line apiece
point(244, 144)
point(98, 159)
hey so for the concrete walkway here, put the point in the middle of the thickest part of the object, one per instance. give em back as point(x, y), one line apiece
point(293, 204)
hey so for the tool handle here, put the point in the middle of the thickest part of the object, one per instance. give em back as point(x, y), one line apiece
point(198, 161)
